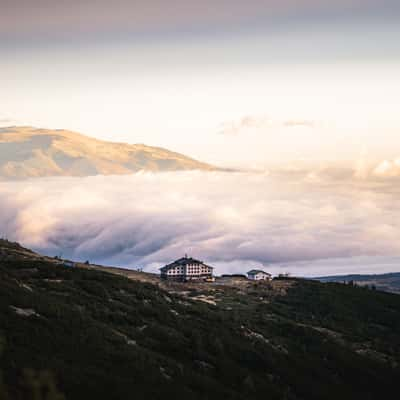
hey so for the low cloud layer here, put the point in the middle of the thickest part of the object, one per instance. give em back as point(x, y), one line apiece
point(232, 220)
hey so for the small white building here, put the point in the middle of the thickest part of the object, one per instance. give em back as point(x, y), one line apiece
point(69, 264)
point(187, 268)
point(259, 275)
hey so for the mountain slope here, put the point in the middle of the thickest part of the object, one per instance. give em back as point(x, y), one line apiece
point(28, 152)
point(104, 336)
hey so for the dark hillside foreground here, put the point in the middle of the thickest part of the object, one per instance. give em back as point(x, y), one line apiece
point(77, 333)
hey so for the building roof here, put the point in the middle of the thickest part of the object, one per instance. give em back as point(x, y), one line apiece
point(257, 271)
point(183, 262)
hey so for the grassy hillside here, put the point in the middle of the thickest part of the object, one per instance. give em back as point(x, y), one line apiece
point(27, 152)
point(94, 335)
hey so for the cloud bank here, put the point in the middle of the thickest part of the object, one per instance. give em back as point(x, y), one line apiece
point(232, 220)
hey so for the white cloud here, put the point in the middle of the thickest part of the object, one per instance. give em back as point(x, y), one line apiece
point(299, 123)
point(263, 124)
point(6, 121)
point(230, 220)
point(383, 170)
point(387, 169)
point(245, 123)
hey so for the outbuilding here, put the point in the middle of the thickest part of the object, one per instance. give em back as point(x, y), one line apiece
point(259, 275)
point(69, 264)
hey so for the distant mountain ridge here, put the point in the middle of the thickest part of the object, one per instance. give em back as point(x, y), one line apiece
point(27, 152)
point(389, 282)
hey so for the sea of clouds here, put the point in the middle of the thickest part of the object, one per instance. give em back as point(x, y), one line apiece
point(304, 223)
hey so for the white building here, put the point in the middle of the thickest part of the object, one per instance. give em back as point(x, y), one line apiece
point(69, 264)
point(259, 275)
point(185, 269)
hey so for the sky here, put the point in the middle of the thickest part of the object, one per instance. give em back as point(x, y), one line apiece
point(301, 95)
point(229, 82)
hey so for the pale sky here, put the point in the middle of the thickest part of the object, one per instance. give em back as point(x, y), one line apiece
point(233, 83)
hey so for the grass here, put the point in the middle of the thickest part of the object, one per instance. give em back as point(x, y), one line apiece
point(102, 336)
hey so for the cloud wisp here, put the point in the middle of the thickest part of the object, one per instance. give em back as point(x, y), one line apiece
point(232, 220)
point(263, 124)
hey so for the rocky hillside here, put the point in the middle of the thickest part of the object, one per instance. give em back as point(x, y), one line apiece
point(83, 333)
point(29, 152)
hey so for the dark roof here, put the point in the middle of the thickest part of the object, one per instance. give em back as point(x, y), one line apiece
point(182, 262)
point(257, 271)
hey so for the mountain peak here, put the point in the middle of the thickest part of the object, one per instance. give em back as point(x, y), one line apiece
point(27, 152)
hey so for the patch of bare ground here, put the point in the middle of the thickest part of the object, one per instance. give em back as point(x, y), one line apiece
point(363, 349)
point(25, 286)
point(336, 336)
point(377, 356)
point(205, 299)
point(221, 286)
point(261, 338)
point(128, 340)
point(24, 312)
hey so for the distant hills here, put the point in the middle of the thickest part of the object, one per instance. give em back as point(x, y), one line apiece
point(387, 282)
point(27, 152)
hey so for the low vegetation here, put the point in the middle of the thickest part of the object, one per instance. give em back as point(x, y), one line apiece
point(77, 333)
